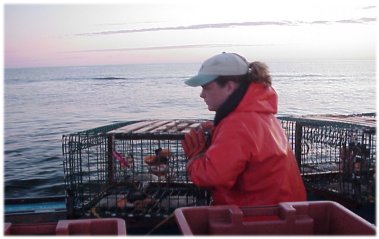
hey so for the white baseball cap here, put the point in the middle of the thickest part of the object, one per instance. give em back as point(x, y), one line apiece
point(224, 64)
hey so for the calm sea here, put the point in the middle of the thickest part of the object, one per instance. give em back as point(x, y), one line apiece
point(42, 104)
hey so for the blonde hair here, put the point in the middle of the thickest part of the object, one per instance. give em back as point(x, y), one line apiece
point(259, 73)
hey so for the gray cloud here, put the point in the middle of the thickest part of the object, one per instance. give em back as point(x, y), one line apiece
point(348, 21)
point(369, 7)
point(227, 25)
point(320, 22)
point(192, 27)
point(358, 21)
point(171, 47)
point(368, 19)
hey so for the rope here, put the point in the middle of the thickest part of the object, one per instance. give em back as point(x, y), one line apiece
point(161, 223)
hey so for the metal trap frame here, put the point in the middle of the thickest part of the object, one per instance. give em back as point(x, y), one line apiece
point(336, 155)
point(108, 173)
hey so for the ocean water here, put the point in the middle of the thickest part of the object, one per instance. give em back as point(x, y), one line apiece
point(42, 104)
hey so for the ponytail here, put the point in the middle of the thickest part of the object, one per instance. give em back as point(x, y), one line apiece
point(258, 73)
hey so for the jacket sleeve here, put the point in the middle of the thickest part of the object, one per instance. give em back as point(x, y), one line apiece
point(224, 160)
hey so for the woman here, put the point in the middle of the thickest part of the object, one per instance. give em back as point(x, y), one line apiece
point(249, 160)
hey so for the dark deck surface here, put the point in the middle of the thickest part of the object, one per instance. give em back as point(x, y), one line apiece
point(53, 209)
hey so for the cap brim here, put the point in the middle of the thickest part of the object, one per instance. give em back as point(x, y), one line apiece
point(200, 80)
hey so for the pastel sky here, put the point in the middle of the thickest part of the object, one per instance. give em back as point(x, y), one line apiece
point(134, 32)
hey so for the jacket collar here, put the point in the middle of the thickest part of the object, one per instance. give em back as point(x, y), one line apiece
point(230, 103)
point(252, 97)
point(259, 98)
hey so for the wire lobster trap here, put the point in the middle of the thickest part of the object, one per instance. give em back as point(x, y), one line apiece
point(336, 154)
point(132, 169)
point(138, 168)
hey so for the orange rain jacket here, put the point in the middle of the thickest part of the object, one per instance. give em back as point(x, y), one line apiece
point(250, 161)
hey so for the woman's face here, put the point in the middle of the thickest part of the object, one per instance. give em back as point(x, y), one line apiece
point(215, 95)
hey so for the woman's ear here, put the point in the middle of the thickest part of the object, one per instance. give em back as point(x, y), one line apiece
point(231, 86)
